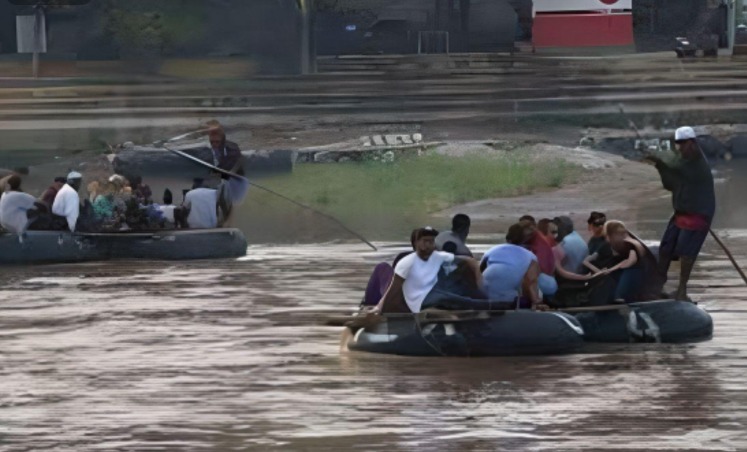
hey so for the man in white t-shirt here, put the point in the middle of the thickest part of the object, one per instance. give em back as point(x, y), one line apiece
point(14, 206)
point(67, 202)
point(417, 274)
point(202, 204)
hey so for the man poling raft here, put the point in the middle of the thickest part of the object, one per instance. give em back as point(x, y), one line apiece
point(688, 176)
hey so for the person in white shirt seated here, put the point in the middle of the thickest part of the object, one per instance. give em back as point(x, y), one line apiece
point(202, 204)
point(67, 202)
point(15, 206)
point(433, 279)
point(167, 209)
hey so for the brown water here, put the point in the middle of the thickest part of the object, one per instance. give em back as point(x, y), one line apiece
point(231, 355)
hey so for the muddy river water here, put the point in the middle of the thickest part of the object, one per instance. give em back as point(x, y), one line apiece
point(233, 355)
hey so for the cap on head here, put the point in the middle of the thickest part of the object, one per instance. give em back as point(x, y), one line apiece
point(425, 232)
point(684, 133)
point(74, 175)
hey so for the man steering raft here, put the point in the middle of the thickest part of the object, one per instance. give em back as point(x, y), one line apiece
point(688, 176)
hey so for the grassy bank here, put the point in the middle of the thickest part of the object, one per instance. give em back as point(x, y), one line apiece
point(383, 199)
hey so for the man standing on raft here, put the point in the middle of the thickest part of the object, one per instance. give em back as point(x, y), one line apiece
point(688, 176)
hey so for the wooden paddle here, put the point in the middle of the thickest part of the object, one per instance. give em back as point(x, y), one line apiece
point(253, 184)
point(729, 255)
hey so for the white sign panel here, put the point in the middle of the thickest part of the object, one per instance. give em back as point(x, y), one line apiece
point(544, 6)
point(25, 34)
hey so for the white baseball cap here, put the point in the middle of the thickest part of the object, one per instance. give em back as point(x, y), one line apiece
point(74, 175)
point(684, 133)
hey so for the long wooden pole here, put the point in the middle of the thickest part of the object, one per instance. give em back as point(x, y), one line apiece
point(729, 255)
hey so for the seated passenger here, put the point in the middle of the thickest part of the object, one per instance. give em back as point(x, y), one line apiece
point(382, 276)
point(167, 208)
point(67, 203)
point(106, 212)
point(141, 191)
point(47, 198)
point(202, 204)
point(576, 288)
point(600, 253)
point(549, 231)
point(15, 206)
point(542, 249)
point(460, 225)
point(571, 249)
point(421, 280)
point(637, 279)
point(510, 271)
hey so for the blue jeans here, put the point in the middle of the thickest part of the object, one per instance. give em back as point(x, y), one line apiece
point(629, 284)
point(547, 284)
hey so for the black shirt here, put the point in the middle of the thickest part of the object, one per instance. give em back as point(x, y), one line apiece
point(603, 249)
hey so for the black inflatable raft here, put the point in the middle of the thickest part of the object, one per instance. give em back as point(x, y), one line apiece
point(652, 321)
point(485, 334)
point(182, 244)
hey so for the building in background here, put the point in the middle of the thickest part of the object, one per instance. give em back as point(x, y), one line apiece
point(422, 26)
point(583, 24)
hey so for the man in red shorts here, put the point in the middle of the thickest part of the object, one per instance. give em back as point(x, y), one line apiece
point(689, 178)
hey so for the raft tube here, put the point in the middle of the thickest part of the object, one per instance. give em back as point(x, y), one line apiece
point(37, 247)
point(501, 334)
point(667, 321)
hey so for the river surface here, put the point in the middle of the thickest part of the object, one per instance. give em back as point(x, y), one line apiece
point(233, 355)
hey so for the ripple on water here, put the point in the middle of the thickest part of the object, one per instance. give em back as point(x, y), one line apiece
point(231, 355)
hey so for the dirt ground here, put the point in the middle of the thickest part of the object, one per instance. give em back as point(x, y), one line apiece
point(609, 183)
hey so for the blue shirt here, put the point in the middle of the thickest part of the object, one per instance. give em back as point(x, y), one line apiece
point(575, 250)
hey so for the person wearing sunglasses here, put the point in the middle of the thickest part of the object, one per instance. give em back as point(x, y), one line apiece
point(688, 176)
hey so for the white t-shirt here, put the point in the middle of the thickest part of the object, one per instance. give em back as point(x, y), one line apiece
point(203, 203)
point(168, 212)
point(67, 204)
point(420, 276)
point(14, 206)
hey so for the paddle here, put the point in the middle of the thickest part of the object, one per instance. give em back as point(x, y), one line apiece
point(245, 180)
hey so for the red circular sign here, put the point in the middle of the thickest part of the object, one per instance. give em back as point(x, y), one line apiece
point(609, 2)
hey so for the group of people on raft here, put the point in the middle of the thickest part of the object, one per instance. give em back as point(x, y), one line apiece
point(114, 204)
point(547, 263)
point(118, 204)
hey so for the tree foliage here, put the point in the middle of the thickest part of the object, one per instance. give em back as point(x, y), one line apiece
point(150, 28)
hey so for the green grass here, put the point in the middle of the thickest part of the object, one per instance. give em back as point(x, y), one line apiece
point(376, 197)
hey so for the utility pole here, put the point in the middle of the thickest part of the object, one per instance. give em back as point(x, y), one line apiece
point(308, 49)
point(39, 34)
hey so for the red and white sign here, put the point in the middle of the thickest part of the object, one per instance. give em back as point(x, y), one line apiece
point(547, 6)
point(583, 23)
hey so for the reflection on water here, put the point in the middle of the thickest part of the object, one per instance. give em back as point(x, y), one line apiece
point(230, 355)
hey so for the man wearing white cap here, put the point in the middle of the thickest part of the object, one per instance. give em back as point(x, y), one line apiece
point(689, 179)
point(67, 203)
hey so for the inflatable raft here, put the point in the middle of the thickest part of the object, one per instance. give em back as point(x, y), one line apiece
point(181, 244)
point(524, 332)
point(668, 321)
point(485, 334)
